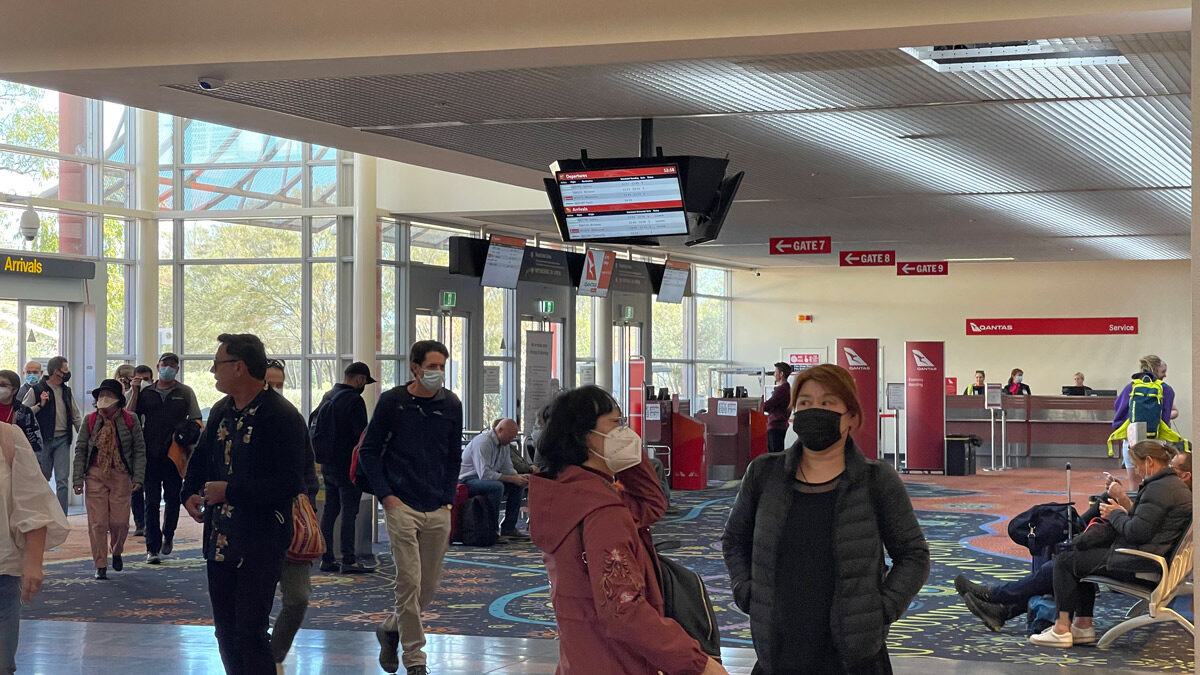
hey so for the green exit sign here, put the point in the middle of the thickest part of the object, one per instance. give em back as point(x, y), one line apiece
point(545, 306)
point(448, 299)
point(627, 312)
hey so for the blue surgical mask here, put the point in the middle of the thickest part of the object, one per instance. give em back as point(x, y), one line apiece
point(167, 373)
point(32, 378)
point(1018, 378)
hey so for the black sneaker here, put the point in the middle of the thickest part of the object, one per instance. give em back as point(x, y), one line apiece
point(118, 564)
point(168, 545)
point(101, 573)
point(330, 566)
point(139, 532)
point(514, 535)
point(389, 645)
point(153, 559)
point(992, 614)
point(417, 670)
point(355, 568)
point(963, 586)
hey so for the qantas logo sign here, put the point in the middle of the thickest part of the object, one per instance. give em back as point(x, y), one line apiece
point(923, 362)
point(853, 360)
point(1120, 325)
point(984, 328)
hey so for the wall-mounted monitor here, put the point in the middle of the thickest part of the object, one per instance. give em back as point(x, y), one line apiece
point(502, 268)
point(620, 203)
point(674, 282)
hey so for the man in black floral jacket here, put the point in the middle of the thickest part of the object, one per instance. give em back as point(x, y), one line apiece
point(240, 483)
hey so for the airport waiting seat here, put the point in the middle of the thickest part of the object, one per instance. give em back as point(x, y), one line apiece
point(1154, 590)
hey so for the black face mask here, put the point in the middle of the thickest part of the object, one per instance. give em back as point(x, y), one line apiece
point(817, 428)
point(66, 377)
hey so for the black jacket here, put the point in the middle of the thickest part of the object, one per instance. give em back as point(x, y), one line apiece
point(162, 416)
point(350, 417)
point(873, 514)
point(264, 479)
point(46, 413)
point(413, 448)
point(1161, 513)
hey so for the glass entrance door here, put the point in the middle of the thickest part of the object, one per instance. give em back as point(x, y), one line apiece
point(626, 344)
point(451, 330)
point(41, 332)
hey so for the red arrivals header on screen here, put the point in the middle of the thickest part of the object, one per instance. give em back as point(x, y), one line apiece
point(1123, 325)
point(619, 173)
point(634, 206)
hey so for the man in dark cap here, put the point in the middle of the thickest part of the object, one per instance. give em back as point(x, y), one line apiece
point(335, 427)
point(166, 407)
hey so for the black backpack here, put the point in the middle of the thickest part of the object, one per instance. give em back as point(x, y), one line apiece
point(322, 428)
point(477, 522)
point(1043, 527)
point(685, 599)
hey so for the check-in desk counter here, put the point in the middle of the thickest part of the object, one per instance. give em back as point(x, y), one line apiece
point(727, 437)
point(1042, 431)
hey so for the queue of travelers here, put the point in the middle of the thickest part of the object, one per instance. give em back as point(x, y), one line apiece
point(593, 495)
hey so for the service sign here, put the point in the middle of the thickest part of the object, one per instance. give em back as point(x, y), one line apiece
point(47, 267)
point(800, 245)
point(1120, 325)
point(867, 258)
point(921, 269)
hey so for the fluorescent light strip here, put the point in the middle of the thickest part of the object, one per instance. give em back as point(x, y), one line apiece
point(976, 259)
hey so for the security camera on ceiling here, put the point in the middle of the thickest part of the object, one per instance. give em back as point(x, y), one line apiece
point(210, 83)
point(30, 224)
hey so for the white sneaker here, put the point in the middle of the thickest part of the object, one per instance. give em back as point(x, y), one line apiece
point(1048, 638)
point(1083, 636)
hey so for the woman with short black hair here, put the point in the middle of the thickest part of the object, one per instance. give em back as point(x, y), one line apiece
point(590, 513)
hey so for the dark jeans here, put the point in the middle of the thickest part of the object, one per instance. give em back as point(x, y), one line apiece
point(1020, 591)
point(493, 490)
point(775, 439)
point(241, 599)
point(137, 503)
point(1069, 567)
point(340, 497)
point(163, 483)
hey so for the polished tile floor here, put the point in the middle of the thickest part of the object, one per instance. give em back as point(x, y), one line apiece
point(66, 648)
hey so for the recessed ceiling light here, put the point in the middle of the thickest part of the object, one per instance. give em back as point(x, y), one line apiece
point(977, 259)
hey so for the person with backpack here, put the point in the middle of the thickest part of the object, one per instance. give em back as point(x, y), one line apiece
point(487, 470)
point(169, 412)
point(410, 456)
point(806, 538)
point(1146, 400)
point(335, 427)
point(590, 513)
point(110, 458)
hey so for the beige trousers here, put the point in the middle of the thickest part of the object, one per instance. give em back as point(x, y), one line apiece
point(419, 540)
point(106, 498)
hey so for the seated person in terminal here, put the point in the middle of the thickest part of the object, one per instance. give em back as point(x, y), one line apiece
point(979, 388)
point(487, 469)
point(994, 605)
point(1015, 386)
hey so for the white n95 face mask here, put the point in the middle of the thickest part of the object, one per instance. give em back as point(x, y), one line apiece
point(622, 449)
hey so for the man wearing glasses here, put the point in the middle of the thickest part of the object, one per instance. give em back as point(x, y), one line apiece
point(244, 473)
point(411, 454)
point(167, 408)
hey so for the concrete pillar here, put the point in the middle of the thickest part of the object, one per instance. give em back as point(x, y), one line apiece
point(602, 338)
point(364, 341)
point(145, 313)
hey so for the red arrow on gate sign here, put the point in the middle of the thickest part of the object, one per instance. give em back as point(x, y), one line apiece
point(800, 245)
point(915, 269)
point(866, 258)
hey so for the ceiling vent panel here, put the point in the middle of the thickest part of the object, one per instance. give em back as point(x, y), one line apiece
point(1016, 55)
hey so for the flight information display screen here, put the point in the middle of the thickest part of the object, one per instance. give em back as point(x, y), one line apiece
point(629, 202)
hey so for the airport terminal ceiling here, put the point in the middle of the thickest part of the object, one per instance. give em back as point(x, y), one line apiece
point(1084, 155)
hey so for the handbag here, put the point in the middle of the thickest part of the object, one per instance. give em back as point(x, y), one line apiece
point(1099, 533)
point(307, 542)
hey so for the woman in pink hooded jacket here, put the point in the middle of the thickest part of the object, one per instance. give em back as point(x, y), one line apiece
point(590, 514)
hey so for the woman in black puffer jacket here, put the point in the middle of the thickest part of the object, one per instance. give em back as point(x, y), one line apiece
point(1157, 518)
point(805, 542)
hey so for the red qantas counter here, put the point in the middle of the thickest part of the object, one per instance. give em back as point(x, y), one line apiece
point(1043, 431)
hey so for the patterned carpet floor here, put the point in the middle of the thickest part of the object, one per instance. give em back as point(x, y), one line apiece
point(503, 591)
